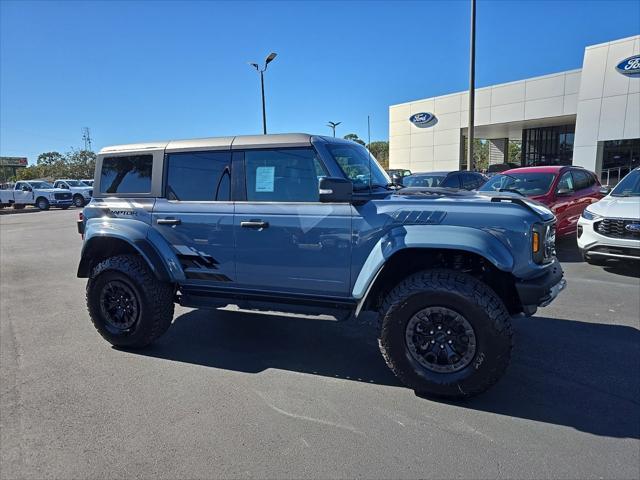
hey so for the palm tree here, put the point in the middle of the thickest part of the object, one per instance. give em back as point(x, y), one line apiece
point(332, 126)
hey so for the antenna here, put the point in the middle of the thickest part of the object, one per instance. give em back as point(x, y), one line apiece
point(369, 149)
point(86, 138)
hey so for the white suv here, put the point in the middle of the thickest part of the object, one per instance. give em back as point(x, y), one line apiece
point(610, 228)
point(81, 192)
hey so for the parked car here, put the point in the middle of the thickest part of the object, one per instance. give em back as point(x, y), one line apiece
point(610, 228)
point(566, 190)
point(286, 223)
point(88, 181)
point(35, 192)
point(397, 174)
point(81, 191)
point(499, 167)
point(462, 179)
point(401, 172)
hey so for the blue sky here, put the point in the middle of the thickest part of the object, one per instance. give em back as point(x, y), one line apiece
point(134, 71)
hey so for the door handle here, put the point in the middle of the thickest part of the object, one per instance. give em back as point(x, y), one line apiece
point(169, 221)
point(254, 224)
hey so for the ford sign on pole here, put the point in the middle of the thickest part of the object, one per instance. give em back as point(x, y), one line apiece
point(423, 120)
point(630, 66)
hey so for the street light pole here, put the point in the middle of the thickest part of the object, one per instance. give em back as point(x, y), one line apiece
point(264, 108)
point(472, 84)
point(267, 60)
point(332, 126)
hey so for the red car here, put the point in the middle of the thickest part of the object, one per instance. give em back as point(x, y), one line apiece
point(565, 190)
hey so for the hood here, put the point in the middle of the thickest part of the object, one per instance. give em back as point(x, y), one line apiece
point(617, 207)
point(470, 199)
point(52, 190)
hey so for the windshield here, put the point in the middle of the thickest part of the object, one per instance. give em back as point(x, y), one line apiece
point(629, 186)
point(75, 183)
point(356, 162)
point(89, 183)
point(528, 184)
point(40, 185)
point(423, 180)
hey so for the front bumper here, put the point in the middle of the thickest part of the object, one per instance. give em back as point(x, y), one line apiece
point(60, 203)
point(594, 244)
point(542, 290)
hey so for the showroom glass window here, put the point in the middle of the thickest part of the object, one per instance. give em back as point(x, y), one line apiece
point(199, 176)
point(548, 145)
point(128, 174)
point(283, 175)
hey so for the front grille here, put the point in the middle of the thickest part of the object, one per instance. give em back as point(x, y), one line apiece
point(617, 228)
point(62, 196)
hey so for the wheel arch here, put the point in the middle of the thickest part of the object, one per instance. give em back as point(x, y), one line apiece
point(416, 248)
point(104, 244)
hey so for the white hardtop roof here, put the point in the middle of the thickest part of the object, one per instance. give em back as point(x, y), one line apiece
point(217, 143)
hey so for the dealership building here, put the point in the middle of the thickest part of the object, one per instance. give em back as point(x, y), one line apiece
point(588, 117)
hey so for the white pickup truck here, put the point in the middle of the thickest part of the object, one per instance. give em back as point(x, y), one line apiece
point(35, 192)
point(80, 191)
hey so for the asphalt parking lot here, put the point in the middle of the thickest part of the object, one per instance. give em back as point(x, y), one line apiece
point(231, 394)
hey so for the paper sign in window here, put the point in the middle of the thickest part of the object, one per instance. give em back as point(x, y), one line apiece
point(264, 179)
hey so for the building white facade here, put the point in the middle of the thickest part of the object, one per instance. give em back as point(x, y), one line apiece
point(588, 117)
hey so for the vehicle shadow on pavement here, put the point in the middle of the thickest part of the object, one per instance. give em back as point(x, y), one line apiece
point(13, 211)
point(567, 252)
point(563, 372)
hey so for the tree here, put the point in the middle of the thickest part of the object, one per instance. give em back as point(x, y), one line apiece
point(515, 152)
point(354, 138)
point(53, 165)
point(49, 158)
point(480, 161)
point(380, 150)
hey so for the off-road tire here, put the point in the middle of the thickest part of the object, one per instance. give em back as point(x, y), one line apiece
point(155, 300)
point(467, 296)
point(78, 200)
point(42, 203)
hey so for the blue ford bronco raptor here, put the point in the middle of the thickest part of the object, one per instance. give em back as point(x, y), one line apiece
point(311, 224)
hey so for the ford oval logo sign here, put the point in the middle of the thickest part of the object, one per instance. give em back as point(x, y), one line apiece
point(423, 120)
point(633, 227)
point(630, 66)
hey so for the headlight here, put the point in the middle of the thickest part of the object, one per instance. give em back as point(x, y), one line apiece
point(589, 215)
point(543, 242)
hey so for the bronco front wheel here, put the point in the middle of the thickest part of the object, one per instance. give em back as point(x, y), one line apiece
point(445, 334)
point(128, 306)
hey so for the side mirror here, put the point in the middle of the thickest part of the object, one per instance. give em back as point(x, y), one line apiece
point(335, 190)
point(605, 190)
point(396, 179)
point(25, 188)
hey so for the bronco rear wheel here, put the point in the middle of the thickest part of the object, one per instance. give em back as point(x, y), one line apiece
point(128, 306)
point(445, 334)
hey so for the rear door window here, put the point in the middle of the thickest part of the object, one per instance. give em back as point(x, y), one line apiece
point(130, 174)
point(199, 176)
point(582, 179)
point(452, 181)
point(469, 181)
